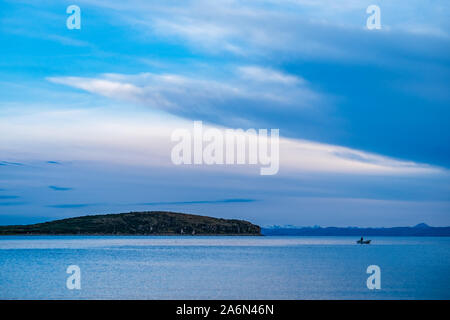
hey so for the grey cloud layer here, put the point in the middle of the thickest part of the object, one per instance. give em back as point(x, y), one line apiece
point(251, 93)
point(286, 29)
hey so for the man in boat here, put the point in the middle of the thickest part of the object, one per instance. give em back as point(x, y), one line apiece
point(361, 241)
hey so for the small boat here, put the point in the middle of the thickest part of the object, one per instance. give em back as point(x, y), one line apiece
point(363, 241)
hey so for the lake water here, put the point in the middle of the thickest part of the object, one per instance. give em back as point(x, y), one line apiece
point(34, 267)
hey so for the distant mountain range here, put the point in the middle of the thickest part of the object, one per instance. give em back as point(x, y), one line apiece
point(137, 223)
point(420, 230)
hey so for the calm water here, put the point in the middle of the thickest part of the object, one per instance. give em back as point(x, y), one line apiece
point(223, 267)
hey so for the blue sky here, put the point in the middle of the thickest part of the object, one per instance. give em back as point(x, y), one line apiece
point(86, 115)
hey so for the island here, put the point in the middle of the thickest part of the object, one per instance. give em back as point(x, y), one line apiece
point(137, 223)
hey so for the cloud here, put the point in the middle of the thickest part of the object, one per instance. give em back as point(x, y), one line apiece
point(110, 89)
point(319, 157)
point(8, 197)
point(142, 139)
point(59, 188)
point(7, 204)
point(251, 92)
point(289, 29)
point(70, 205)
point(255, 73)
point(197, 202)
point(9, 163)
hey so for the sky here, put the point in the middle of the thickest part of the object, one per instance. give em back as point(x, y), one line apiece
point(86, 115)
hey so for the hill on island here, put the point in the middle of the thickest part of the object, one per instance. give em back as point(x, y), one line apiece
point(137, 223)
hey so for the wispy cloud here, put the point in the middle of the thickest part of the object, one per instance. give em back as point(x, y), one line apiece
point(71, 205)
point(9, 163)
point(255, 73)
point(250, 92)
point(197, 202)
point(2, 197)
point(56, 188)
point(311, 29)
point(8, 204)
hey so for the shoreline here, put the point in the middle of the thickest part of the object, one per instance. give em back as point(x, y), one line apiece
point(137, 235)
